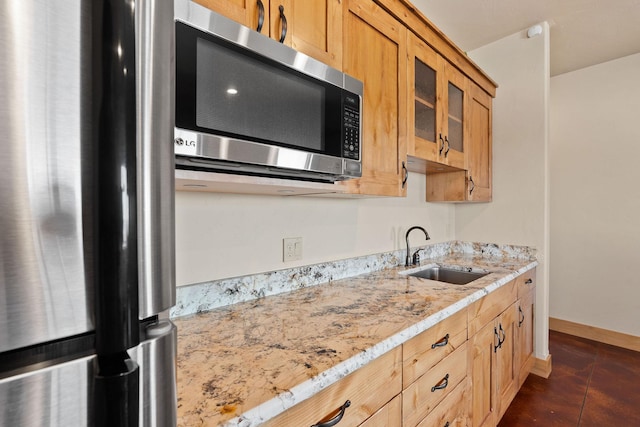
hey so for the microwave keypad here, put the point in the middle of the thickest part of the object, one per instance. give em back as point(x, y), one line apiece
point(351, 143)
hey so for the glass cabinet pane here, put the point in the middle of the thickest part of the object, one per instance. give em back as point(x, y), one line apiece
point(425, 102)
point(455, 118)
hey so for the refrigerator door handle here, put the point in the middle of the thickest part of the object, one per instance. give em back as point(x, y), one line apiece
point(155, 43)
point(156, 356)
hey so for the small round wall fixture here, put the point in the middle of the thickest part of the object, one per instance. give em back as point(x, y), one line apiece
point(534, 31)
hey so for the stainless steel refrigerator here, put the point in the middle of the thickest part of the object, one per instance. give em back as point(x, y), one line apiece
point(86, 213)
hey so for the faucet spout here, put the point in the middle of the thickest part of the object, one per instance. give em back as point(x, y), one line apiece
point(416, 258)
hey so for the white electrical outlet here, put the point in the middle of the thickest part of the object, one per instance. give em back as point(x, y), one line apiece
point(291, 249)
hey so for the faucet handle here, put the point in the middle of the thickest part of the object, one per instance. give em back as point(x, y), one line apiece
point(416, 257)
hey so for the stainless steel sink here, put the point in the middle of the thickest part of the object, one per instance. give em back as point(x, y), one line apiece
point(455, 277)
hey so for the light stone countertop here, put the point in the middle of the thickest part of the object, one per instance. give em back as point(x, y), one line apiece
point(245, 363)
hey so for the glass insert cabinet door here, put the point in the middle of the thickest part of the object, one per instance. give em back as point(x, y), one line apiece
point(436, 107)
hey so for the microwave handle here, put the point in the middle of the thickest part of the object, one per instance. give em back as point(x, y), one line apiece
point(155, 41)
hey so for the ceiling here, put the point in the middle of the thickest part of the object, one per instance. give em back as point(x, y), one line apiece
point(583, 32)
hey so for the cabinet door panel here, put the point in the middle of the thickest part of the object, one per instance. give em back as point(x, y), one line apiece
point(481, 366)
point(453, 118)
point(315, 28)
point(244, 12)
point(507, 371)
point(480, 145)
point(375, 52)
point(424, 115)
point(525, 336)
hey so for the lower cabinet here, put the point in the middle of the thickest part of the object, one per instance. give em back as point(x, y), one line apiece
point(526, 309)
point(463, 371)
point(368, 389)
point(500, 349)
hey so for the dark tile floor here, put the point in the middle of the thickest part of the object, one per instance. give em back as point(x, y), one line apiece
point(591, 384)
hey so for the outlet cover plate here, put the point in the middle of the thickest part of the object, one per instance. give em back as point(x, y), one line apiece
point(291, 249)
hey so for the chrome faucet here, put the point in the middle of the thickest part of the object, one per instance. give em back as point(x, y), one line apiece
point(415, 260)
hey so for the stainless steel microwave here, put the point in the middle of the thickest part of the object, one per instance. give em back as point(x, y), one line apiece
point(248, 104)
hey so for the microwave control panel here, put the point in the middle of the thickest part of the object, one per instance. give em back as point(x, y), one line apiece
point(351, 127)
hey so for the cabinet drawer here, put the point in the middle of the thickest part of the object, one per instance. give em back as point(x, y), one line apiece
point(452, 411)
point(526, 282)
point(424, 351)
point(369, 389)
point(489, 307)
point(390, 415)
point(421, 397)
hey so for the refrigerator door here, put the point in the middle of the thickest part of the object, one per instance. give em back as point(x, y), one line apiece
point(46, 289)
point(54, 397)
point(156, 356)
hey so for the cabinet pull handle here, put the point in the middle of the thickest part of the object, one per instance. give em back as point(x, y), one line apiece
point(504, 336)
point(444, 341)
point(283, 18)
point(446, 153)
point(442, 146)
point(442, 384)
point(473, 185)
point(406, 175)
point(528, 282)
point(447, 424)
point(521, 320)
point(335, 420)
point(495, 334)
point(260, 16)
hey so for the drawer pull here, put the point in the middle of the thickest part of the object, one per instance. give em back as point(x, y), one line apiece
point(529, 281)
point(442, 384)
point(447, 424)
point(335, 420)
point(444, 341)
point(521, 319)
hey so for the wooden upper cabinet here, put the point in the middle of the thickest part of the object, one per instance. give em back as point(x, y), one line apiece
point(245, 12)
point(436, 109)
point(480, 145)
point(475, 183)
point(313, 27)
point(374, 51)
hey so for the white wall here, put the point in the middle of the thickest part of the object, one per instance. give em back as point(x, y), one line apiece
point(225, 235)
point(595, 196)
point(519, 213)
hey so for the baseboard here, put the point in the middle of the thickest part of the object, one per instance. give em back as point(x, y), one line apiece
point(542, 367)
point(618, 339)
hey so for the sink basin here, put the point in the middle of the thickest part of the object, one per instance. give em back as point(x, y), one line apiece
point(455, 277)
